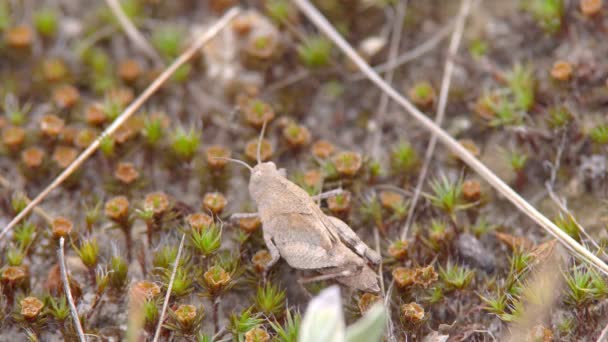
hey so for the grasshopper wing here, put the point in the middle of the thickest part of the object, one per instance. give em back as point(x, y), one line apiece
point(303, 242)
point(353, 241)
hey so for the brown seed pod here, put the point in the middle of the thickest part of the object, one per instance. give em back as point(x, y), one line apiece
point(261, 46)
point(31, 307)
point(13, 275)
point(158, 202)
point(32, 157)
point(214, 153)
point(214, 201)
point(260, 260)
point(185, 314)
point(13, 137)
point(250, 224)
point(51, 125)
point(366, 301)
point(117, 208)
point(120, 95)
point(126, 173)
point(422, 94)
point(129, 70)
point(63, 156)
point(471, 190)
point(66, 96)
point(69, 134)
point(257, 112)
point(61, 227)
point(200, 221)
point(296, 135)
point(391, 199)
point(257, 335)
point(591, 7)
point(340, 204)
point(216, 279)
point(144, 290)
point(19, 37)
point(348, 163)
point(404, 277)
point(54, 70)
point(85, 137)
point(251, 150)
point(313, 179)
point(561, 71)
point(323, 149)
point(398, 249)
point(412, 312)
point(95, 115)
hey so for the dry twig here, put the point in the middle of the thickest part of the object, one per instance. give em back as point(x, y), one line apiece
point(460, 151)
point(68, 291)
point(125, 115)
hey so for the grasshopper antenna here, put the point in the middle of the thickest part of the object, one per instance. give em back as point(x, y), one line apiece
point(236, 161)
point(259, 152)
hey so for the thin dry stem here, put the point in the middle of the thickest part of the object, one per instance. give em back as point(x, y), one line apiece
point(126, 114)
point(321, 22)
point(169, 287)
point(440, 115)
point(132, 32)
point(38, 210)
point(68, 291)
point(384, 100)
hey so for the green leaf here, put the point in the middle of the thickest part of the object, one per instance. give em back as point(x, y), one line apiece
point(370, 327)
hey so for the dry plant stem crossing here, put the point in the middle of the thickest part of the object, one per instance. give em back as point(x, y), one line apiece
point(68, 291)
point(132, 32)
point(440, 115)
point(321, 22)
point(126, 114)
point(169, 287)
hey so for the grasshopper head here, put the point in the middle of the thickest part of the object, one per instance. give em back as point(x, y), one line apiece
point(262, 176)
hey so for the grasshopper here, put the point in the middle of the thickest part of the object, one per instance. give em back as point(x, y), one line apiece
point(295, 228)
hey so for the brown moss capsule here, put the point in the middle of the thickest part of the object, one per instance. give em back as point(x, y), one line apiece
point(404, 277)
point(54, 70)
point(251, 150)
point(69, 134)
point(323, 149)
point(95, 115)
point(61, 227)
point(51, 125)
point(340, 204)
point(120, 95)
point(214, 201)
point(63, 156)
point(425, 276)
point(366, 301)
point(216, 278)
point(391, 199)
point(313, 179)
point(144, 290)
point(257, 112)
point(257, 335)
point(214, 153)
point(32, 157)
point(260, 260)
point(471, 190)
point(158, 202)
point(13, 275)
point(19, 37)
point(561, 71)
point(54, 284)
point(200, 221)
point(185, 314)
point(590, 7)
point(296, 135)
point(250, 224)
point(261, 46)
point(66, 96)
point(422, 94)
point(412, 312)
point(126, 173)
point(117, 208)
point(348, 163)
point(242, 24)
point(129, 70)
point(85, 137)
point(31, 307)
point(398, 249)
point(484, 107)
point(13, 137)
point(123, 134)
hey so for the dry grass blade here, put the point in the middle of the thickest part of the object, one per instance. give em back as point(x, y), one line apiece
point(321, 22)
point(68, 291)
point(132, 31)
point(443, 101)
point(169, 287)
point(125, 115)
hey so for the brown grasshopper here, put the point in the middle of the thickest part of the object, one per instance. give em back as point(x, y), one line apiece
point(295, 228)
